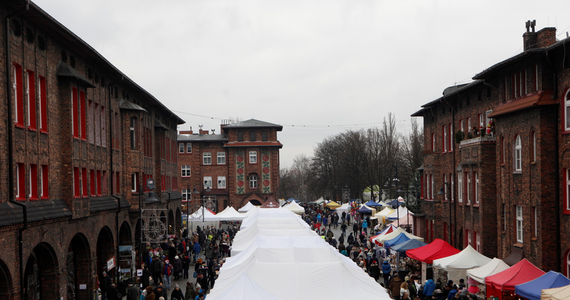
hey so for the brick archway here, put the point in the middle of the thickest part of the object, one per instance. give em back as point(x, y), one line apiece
point(41, 278)
point(78, 267)
point(105, 251)
point(6, 287)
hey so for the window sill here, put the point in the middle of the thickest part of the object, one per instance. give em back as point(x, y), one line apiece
point(533, 163)
point(475, 204)
point(18, 125)
point(33, 198)
point(45, 197)
point(566, 212)
point(43, 131)
point(32, 129)
point(517, 172)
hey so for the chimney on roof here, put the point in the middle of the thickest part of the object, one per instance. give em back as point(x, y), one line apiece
point(187, 131)
point(541, 39)
point(213, 131)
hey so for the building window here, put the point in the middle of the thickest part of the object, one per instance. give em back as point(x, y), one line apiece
point(469, 125)
point(432, 186)
point(445, 186)
point(444, 137)
point(207, 158)
point(240, 136)
point(207, 182)
point(252, 157)
point(92, 182)
point(535, 217)
point(452, 187)
point(83, 115)
point(33, 182)
point(460, 187)
point(99, 183)
point(185, 195)
point(104, 184)
point(75, 112)
point(186, 171)
point(477, 241)
point(433, 142)
point(134, 182)
point(180, 147)
point(476, 188)
point(31, 97)
point(252, 136)
point(42, 94)
point(567, 175)
point(533, 146)
point(188, 147)
point(264, 136)
point(91, 122)
point(18, 90)
point(221, 158)
point(519, 221)
point(132, 131)
point(20, 182)
point(518, 154)
point(84, 182)
point(451, 141)
point(45, 182)
point(103, 127)
point(481, 122)
point(253, 181)
point(76, 186)
point(221, 182)
point(461, 126)
point(468, 187)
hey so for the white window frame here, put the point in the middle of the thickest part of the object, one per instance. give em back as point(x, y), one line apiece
point(444, 138)
point(181, 147)
point(207, 182)
point(432, 186)
point(518, 154)
point(221, 158)
point(460, 187)
point(468, 190)
point(451, 135)
point(477, 241)
point(534, 146)
point(252, 157)
point(482, 121)
point(188, 147)
point(134, 183)
point(452, 187)
point(221, 182)
point(519, 222)
point(185, 171)
point(445, 185)
point(207, 158)
point(476, 187)
point(42, 182)
point(468, 124)
point(461, 123)
point(253, 181)
point(185, 194)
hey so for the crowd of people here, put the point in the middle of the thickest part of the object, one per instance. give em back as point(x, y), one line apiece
point(379, 262)
point(204, 248)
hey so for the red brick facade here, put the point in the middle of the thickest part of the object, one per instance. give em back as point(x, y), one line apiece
point(79, 138)
point(509, 184)
point(249, 148)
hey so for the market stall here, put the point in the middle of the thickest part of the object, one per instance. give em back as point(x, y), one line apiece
point(458, 264)
point(532, 289)
point(503, 283)
point(561, 293)
point(493, 267)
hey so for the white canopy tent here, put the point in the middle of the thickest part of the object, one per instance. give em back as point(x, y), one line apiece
point(493, 267)
point(247, 207)
point(291, 264)
point(381, 239)
point(230, 214)
point(457, 265)
point(319, 201)
point(294, 207)
point(209, 219)
point(245, 289)
point(399, 213)
point(343, 208)
point(559, 293)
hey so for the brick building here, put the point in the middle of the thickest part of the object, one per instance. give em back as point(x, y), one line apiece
point(495, 172)
point(229, 169)
point(78, 143)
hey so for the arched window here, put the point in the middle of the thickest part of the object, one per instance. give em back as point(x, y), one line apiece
point(252, 136)
point(240, 136)
point(518, 154)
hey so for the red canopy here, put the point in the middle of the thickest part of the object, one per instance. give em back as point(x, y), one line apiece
point(432, 251)
point(521, 272)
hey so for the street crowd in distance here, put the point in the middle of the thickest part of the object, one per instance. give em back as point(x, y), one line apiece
point(402, 281)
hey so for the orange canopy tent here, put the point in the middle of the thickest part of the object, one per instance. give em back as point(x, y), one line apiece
point(432, 251)
point(521, 272)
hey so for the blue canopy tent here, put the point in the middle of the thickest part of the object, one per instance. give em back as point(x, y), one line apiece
point(365, 210)
point(402, 237)
point(532, 289)
point(411, 244)
point(291, 200)
point(394, 202)
point(372, 204)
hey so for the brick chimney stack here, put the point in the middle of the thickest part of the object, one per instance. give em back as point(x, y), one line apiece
point(541, 39)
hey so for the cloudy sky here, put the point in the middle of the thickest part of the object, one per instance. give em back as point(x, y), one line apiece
point(317, 67)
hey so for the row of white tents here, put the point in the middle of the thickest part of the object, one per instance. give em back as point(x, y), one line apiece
point(275, 255)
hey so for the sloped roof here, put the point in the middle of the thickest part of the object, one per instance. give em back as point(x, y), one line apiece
point(253, 123)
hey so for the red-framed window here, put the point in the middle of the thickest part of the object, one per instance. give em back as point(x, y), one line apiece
point(76, 188)
point(103, 127)
point(162, 183)
point(45, 182)
point(84, 191)
point(99, 183)
point(20, 181)
point(42, 94)
point(31, 97)
point(104, 183)
point(33, 182)
point(83, 119)
point(97, 124)
point(92, 190)
point(18, 91)
point(444, 138)
point(75, 112)
point(91, 121)
point(118, 183)
point(567, 191)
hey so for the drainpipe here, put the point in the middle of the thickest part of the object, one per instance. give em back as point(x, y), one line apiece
point(10, 127)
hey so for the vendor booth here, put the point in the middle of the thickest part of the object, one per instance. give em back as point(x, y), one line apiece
point(294, 207)
point(247, 207)
point(532, 289)
point(432, 251)
point(458, 264)
point(561, 293)
point(503, 283)
point(397, 240)
point(493, 267)
point(379, 240)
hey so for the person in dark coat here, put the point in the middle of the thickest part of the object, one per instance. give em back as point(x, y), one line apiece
point(185, 265)
point(113, 293)
point(386, 269)
point(149, 294)
point(374, 269)
point(145, 278)
point(190, 291)
point(160, 291)
point(177, 265)
point(133, 292)
point(156, 269)
point(394, 286)
point(176, 293)
point(355, 228)
point(104, 284)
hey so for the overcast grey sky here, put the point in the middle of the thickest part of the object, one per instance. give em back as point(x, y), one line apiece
point(317, 67)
